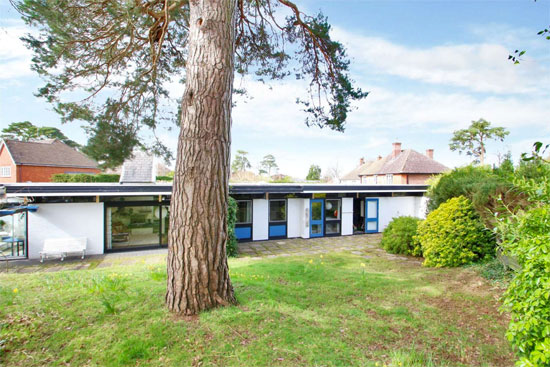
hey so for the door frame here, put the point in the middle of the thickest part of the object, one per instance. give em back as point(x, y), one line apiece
point(374, 219)
point(317, 221)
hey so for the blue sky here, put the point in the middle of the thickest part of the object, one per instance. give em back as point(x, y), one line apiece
point(431, 67)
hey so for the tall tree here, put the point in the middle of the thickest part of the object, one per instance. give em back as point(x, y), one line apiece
point(473, 139)
point(333, 173)
point(241, 162)
point(314, 173)
point(124, 52)
point(26, 131)
point(268, 163)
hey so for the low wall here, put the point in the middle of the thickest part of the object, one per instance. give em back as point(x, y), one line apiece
point(66, 220)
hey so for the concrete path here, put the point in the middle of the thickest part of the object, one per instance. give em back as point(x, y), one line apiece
point(365, 245)
point(300, 246)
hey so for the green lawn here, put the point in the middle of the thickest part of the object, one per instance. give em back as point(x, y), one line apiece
point(336, 310)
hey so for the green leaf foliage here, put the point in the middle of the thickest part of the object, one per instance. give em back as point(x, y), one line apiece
point(241, 162)
point(399, 236)
point(231, 248)
point(453, 235)
point(120, 56)
point(83, 177)
point(314, 173)
point(165, 178)
point(473, 139)
point(26, 131)
point(525, 235)
point(475, 183)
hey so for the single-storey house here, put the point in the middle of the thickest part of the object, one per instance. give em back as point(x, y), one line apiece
point(400, 167)
point(119, 217)
point(37, 161)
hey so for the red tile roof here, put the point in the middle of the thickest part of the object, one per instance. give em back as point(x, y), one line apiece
point(47, 153)
point(410, 161)
point(407, 161)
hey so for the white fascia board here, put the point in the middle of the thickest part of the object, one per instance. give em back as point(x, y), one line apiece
point(355, 191)
point(16, 195)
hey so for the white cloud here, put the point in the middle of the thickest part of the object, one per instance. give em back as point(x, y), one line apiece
point(271, 110)
point(479, 67)
point(445, 112)
point(15, 58)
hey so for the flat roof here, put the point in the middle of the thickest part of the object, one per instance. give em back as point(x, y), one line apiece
point(117, 189)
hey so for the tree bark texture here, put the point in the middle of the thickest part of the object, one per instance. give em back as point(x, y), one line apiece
point(198, 275)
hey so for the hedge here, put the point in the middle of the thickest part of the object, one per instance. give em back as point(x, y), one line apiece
point(83, 177)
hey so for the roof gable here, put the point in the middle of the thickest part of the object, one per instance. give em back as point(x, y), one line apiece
point(47, 153)
point(4, 147)
point(139, 169)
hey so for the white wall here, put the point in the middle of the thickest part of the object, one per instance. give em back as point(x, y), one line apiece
point(391, 207)
point(260, 219)
point(347, 216)
point(295, 217)
point(66, 220)
point(305, 218)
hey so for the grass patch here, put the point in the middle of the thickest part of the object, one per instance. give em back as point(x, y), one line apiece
point(335, 310)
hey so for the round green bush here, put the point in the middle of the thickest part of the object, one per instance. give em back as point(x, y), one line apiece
point(453, 235)
point(398, 237)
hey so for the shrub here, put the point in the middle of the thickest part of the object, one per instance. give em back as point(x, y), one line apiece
point(231, 248)
point(83, 177)
point(453, 235)
point(398, 237)
point(165, 178)
point(526, 236)
point(476, 183)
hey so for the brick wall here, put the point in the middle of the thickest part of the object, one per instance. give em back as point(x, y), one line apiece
point(44, 173)
point(418, 179)
point(6, 161)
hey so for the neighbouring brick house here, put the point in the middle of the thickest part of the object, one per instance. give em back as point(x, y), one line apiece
point(401, 167)
point(37, 161)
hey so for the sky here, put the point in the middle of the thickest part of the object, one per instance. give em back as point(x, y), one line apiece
point(431, 68)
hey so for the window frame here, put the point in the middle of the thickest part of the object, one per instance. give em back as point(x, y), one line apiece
point(128, 204)
point(389, 178)
point(328, 220)
point(269, 211)
point(4, 169)
point(249, 207)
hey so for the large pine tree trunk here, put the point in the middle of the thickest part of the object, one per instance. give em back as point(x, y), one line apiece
point(198, 276)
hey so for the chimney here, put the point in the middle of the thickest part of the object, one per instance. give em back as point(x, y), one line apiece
point(396, 149)
point(430, 153)
point(361, 161)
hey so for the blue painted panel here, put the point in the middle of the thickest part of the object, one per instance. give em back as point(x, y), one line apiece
point(371, 217)
point(277, 230)
point(243, 233)
point(316, 226)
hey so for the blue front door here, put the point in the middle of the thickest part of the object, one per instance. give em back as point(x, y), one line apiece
point(371, 215)
point(317, 218)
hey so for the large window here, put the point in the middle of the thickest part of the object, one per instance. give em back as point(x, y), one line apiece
point(277, 210)
point(332, 216)
point(244, 211)
point(13, 235)
point(136, 226)
point(5, 171)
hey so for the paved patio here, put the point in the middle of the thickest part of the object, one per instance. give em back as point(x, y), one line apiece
point(300, 246)
point(365, 245)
